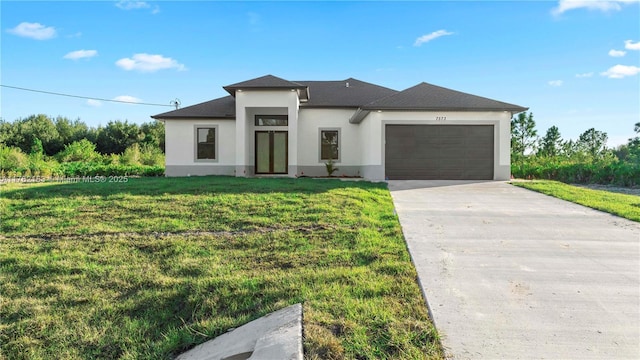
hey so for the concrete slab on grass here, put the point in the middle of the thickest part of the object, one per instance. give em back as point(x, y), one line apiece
point(513, 274)
point(275, 336)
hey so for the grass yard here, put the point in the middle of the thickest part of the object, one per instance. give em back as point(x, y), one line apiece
point(149, 268)
point(623, 205)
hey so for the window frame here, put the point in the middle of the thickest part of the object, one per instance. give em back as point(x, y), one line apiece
point(216, 128)
point(275, 117)
point(339, 132)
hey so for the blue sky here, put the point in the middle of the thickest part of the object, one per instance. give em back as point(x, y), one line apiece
point(574, 63)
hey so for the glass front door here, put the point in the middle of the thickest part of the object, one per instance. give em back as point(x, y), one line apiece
point(271, 152)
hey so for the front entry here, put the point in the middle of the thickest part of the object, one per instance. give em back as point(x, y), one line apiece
point(271, 152)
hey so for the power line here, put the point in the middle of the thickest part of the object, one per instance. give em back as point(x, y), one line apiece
point(89, 98)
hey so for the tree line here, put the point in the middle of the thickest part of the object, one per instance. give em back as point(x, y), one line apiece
point(40, 145)
point(55, 134)
point(584, 160)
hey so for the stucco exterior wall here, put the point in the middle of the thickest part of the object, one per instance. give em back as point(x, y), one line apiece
point(180, 143)
point(374, 135)
point(250, 103)
point(361, 145)
point(310, 123)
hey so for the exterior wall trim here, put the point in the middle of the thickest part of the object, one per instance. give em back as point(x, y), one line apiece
point(339, 130)
point(199, 170)
point(195, 142)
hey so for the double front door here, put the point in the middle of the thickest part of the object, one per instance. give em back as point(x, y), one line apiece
point(271, 152)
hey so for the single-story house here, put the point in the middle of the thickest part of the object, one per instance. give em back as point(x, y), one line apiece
point(273, 126)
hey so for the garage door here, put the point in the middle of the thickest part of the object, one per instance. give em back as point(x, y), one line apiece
point(439, 152)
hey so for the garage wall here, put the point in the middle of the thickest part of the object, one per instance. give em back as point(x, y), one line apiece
point(374, 134)
point(180, 145)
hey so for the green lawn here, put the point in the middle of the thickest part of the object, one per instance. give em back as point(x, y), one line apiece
point(624, 205)
point(149, 268)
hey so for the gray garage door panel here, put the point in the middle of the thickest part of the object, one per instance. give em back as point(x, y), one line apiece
point(431, 152)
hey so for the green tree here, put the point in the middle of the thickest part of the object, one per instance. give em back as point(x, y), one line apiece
point(117, 136)
point(634, 143)
point(7, 133)
point(41, 127)
point(71, 131)
point(593, 143)
point(152, 133)
point(551, 144)
point(523, 135)
point(622, 153)
point(568, 148)
point(36, 148)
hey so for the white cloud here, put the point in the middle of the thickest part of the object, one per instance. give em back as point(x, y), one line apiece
point(585, 75)
point(80, 54)
point(34, 31)
point(630, 45)
point(617, 53)
point(127, 98)
point(620, 71)
point(149, 63)
point(555, 83)
point(94, 103)
point(137, 5)
point(602, 5)
point(428, 37)
point(131, 5)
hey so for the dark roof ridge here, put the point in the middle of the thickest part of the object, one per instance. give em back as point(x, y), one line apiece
point(339, 81)
point(424, 96)
point(267, 82)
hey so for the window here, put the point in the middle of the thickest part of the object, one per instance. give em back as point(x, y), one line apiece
point(272, 120)
point(329, 144)
point(206, 143)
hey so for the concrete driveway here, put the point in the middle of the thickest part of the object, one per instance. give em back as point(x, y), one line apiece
point(513, 274)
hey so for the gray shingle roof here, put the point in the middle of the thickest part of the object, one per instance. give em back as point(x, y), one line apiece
point(338, 94)
point(357, 94)
point(431, 97)
point(224, 107)
point(267, 81)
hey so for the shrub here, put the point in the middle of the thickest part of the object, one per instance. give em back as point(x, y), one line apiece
point(13, 159)
point(145, 154)
point(131, 156)
point(83, 150)
point(41, 166)
point(605, 172)
point(111, 159)
point(151, 155)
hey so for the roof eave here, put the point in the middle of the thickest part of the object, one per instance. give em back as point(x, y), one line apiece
point(315, 106)
point(226, 117)
point(232, 89)
point(514, 110)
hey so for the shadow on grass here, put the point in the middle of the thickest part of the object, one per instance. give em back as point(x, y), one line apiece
point(181, 186)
